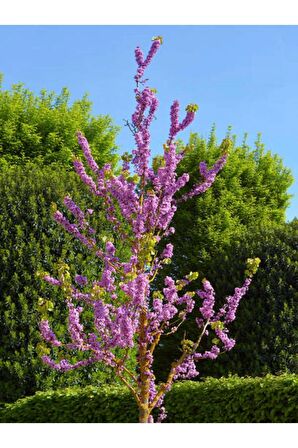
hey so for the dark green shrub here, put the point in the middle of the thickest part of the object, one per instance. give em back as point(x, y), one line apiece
point(266, 327)
point(226, 400)
point(30, 240)
point(235, 400)
point(242, 216)
point(74, 405)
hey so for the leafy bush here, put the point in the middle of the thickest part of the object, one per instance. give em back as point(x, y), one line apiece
point(235, 400)
point(226, 400)
point(241, 216)
point(266, 330)
point(251, 192)
point(30, 241)
point(43, 127)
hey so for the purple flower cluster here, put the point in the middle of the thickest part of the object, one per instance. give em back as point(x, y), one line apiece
point(52, 280)
point(73, 229)
point(137, 290)
point(228, 343)
point(208, 354)
point(209, 177)
point(209, 299)
point(87, 152)
point(175, 125)
point(79, 214)
point(75, 328)
point(115, 326)
point(48, 334)
point(233, 301)
point(79, 168)
point(186, 370)
point(81, 280)
point(168, 251)
point(143, 64)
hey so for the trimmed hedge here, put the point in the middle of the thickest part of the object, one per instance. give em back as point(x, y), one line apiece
point(235, 400)
point(226, 400)
point(266, 327)
point(30, 241)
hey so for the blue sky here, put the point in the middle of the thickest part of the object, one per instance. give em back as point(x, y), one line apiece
point(243, 76)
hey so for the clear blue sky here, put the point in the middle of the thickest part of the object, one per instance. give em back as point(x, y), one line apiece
point(244, 76)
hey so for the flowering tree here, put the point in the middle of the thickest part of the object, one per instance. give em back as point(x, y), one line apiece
point(126, 312)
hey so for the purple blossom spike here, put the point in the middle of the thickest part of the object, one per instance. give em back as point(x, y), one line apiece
point(187, 369)
point(52, 280)
point(174, 129)
point(79, 168)
point(81, 280)
point(233, 301)
point(74, 326)
point(209, 299)
point(74, 230)
point(48, 334)
point(87, 152)
point(208, 176)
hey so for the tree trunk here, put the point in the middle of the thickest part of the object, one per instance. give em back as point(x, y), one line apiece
point(143, 414)
point(144, 369)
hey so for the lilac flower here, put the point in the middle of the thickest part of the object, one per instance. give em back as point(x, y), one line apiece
point(209, 299)
point(48, 334)
point(78, 295)
point(186, 370)
point(233, 301)
point(139, 56)
point(228, 310)
point(52, 280)
point(79, 168)
point(107, 278)
point(208, 354)
point(75, 328)
point(168, 251)
point(208, 176)
point(87, 152)
point(81, 280)
point(64, 365)
point(76, 211)
point(174, 129)
point(110, 248)
point(137, 289)
point(227, 342)
point(74, 230)
point(170, 292)
point(102, 320)
point(187, 299)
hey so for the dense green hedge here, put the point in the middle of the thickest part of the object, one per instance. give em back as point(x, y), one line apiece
point(241, 216)
point(266, 327)
point(225, 400)
point(30, 241)
point(235, 400)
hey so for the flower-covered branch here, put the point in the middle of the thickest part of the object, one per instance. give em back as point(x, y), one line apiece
point(126, 311)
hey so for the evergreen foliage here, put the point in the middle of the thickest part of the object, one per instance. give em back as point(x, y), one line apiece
point(241, 216)
point(31, 241)
point(37, 143)
point(43, 127)
point(250, 193)
point(226, 400)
